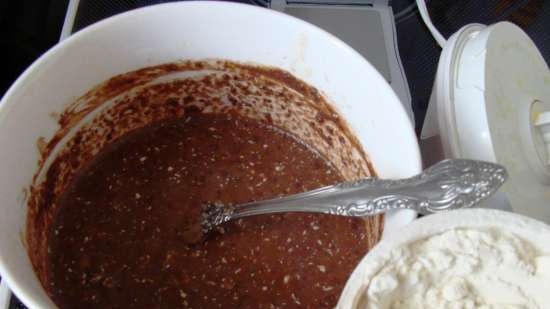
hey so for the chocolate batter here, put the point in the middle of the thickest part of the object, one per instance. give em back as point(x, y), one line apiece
point(117, 239)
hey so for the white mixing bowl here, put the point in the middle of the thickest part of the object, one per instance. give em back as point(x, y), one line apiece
point(537, 233)
point(171, 32)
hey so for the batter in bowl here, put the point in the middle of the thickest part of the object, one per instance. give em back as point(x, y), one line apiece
point(116, 241)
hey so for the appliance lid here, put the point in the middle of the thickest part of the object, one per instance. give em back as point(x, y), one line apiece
point(493, 103)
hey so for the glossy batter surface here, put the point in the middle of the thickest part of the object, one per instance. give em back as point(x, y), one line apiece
point(117, 239)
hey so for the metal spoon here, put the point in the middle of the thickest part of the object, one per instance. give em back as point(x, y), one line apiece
point(448, 185)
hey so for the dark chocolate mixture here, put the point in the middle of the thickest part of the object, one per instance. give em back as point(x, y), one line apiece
point(116, 241)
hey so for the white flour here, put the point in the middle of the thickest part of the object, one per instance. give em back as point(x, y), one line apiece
point(463, 269)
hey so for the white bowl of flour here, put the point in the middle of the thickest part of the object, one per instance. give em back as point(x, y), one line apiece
point(472, 258)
